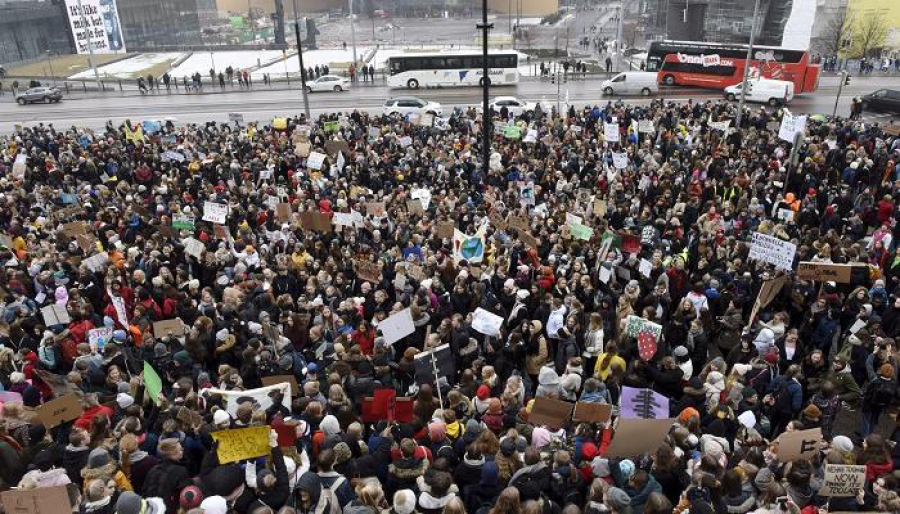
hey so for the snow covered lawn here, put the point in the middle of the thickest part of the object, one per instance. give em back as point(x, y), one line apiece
point(201, 62)
point(311, 58)
point(131, 67)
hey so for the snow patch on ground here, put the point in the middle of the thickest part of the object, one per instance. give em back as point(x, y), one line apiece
point(131, 67)
point(201, 62)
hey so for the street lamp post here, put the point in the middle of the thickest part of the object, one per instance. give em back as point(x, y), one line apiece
point(302, 68)
point(486, 117)
point(618, 36)
point(747, 63)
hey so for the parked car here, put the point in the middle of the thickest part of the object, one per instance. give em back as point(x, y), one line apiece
point(884, 100)
point(772, 92)
point(39, 94)
point(329, 83)
point(631, 82)
point(411, 105)
point(514, 105)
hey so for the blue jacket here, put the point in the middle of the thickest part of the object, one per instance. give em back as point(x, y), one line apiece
point(793, 387)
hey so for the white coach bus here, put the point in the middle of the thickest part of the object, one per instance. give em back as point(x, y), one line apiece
point(446, 69)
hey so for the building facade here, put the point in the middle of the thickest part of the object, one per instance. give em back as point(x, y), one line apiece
point(29, 30)
point(716, 21)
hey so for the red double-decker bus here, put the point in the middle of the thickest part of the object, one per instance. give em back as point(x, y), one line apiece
point(719, 65)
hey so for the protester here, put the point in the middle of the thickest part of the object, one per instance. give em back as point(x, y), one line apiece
point(390, 324)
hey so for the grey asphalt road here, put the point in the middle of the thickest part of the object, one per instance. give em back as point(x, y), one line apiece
point(263, 105)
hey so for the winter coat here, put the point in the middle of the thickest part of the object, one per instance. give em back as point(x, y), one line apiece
point(403, 473)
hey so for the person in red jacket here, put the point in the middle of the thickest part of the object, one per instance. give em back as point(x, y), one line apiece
point(364, 336)
point(92, 409)
point(885, 209)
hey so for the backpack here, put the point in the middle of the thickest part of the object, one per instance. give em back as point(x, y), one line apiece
point(880, 393)
point(784, 400)
point(334, 505)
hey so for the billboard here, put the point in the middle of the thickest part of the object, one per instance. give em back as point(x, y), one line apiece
point(95, 25)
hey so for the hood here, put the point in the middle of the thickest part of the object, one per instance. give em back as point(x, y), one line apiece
point(548, 377)
point(312, 484)
point(407, 469)
point(426, 501)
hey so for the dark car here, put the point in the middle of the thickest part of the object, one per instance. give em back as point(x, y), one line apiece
point(39, 94)
point(883, 100)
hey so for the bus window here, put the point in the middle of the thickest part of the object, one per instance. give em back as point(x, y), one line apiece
point(396, 66)
point(454, 62)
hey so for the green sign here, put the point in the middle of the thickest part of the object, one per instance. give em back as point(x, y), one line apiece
point(512, 132)
point(581, 232)
point(332, 126)
point(182, 222)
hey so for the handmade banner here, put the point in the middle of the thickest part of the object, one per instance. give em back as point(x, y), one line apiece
point(767, 292)
point(367, 270)
point(589, 412)
point(550, 412)
point(58, 411)
point(772, 250)
point(260, 397)
point(215, 212)
point(242, 443)
point(637, 436)
point(824, 272)
point(55, 315)
point(168, 327)
point(440, 357)
point(468, 248)
point(620, 160)
point(843, 480)
point(791, 125)
point(799, 444)
point(486, 322)
point(397, 326)
point(281, 379)
point(42, 500)
point(643, 403)
point(98, 337)
point(611, 132)
point(152, 382)
point(315, 161)
point(647, 334)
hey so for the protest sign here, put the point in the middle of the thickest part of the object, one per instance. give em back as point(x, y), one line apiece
point(173, 327)
point(646, 332)
point(19, 166)
point(368, 270)
point(519, 223)
point(405, 141)
point(531, 136)
point(637, 436)
point(767, 292)
point(589, 412)
point(486, 322)
point(528, 240)
point(153, 383)
point(261, 397)
point(643, 403)
point(397, 326)
point(315, 221)
point(240, 444)
point(342, 219)
point(550, 412)
point(283, 212)
point(581, 232)
point(375, 209)
point(75, 228)
point(98, 337)
point(315, 160)
point(415, 207)
point(55, 315)
point(41, 500)
point(645, 126)
point(423, 195)
point(772, 250)
point(279, 379)
point(96, 262)
point(497, 220)
point(799, 444)
point(791, 125)
point(843, 480)
point(857, 326)
point(512, 132)
point(333, 147)
point(786, 215)
point(215, 212)
point(620, 160)
point(331, 126)
point(58, 411)
point(445, 230)
point(645, 267)
point(748, 419)
point(611, 132)
point(182, 222)
point(824, 272)
point(720, 125)
point(57, 383)
point(440, 358)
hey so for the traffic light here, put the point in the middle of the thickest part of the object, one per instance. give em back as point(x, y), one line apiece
point(846, 79)
point(553, 78)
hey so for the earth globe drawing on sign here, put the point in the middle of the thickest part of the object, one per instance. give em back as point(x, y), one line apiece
point(472, 248)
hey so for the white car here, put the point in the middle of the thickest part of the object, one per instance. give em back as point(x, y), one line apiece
point(411, 105)
point(329, 83)
point(514, 105)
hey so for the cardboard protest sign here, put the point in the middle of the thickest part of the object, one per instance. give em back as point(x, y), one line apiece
point(550, 412)
point(98, 337)
point(415, 207)
point(643, 403)
point(767, 293)
point(42, 500)
point(175, 327)
point(283, 211)
point(96, 262)
point(367, 270)
point(242, 443)
point(279, 379)
point(222, 232)
point(824, 272)
point(74, 229)
point(261, 397)
point(55, 315)
point(772, 250)
point(397, 326)
point(590, 412)
point(528, 240)
point(58, 411)
point(486, 322)
point(519, 223)
point(315, 221)
point(843, 480)
point(87, 242)
point(445, 230)
point(375, 209)
point(637, 436)
point(611, 132)
point(215, 212)
point(799, 444)
point(332, 147)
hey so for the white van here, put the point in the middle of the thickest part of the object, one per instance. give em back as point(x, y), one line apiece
point(772, 92)
point(631, 83)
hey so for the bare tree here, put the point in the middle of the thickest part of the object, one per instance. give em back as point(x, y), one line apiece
point(869, 34)
point(527, 35)
point(837, 30)
point(630, 34)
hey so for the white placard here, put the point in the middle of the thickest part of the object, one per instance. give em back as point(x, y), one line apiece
point(119, 305)
point(486, 322)
point(359, 221)
point(315, 161)
point(98, 337)
point(259, 396)
point(574, 219)
point(857, 326)
point(343, 219)
point(720, 125)
point(645, 268)
point(646, 126)
point(843, 480)
point(398, 326)
point(791, 125)
point(215, 212)
point(748, 419)
point(611, 132)
point(96, 262)
point(772, 250)
point(172, 155)
point(405, 141)
point(422, 195)
point(341, 161)
point(620, 160)
point(19, 166)
point(530, 137)
point(95, 26)
point(786, 215)
point(605, 274)
point(194, 247)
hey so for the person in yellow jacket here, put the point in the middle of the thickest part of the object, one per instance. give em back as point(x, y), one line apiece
point(101, 466)
point(606, 361)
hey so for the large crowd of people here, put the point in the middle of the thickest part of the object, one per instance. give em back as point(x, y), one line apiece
point(163, 327)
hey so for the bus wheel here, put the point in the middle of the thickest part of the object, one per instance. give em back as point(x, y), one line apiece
point(773, 102)
point(669, 80)
point(412, 84)
point(731, 97)
point(645, 91)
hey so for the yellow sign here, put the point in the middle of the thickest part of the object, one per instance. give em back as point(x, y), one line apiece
point(242, 443)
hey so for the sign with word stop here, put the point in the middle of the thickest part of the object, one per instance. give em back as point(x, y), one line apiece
point(843, 480)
